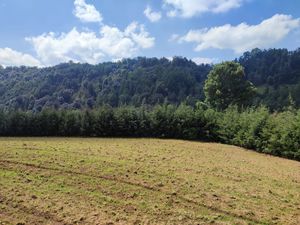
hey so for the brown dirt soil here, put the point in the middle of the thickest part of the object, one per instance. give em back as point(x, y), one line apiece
point(143, 181)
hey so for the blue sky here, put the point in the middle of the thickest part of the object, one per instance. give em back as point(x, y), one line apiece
point(43, 33)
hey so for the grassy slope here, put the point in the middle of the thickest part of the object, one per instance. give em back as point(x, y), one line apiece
point(143, 181)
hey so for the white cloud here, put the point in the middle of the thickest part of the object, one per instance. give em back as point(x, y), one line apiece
point(139, 35)
point(243, 37)
point(174, 37)
point(110, 43)
point(200, 60)
point(190, 8)
point(151, 15)
point(86, 12)
point(9, 57)
point(90, 47)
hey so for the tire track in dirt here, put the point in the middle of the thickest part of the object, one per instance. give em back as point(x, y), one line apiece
point(110, 178)
point(33, 211)
point(127, 182)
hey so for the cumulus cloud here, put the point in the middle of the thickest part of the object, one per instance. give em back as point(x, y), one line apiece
point(151, 15)
point(190, 8)
point(91, 47)
point(243, 37)
point(9, 57)
point(86, 12)
point(110, 43)
point(139, 35)
point(200, 60)
point(174, 37)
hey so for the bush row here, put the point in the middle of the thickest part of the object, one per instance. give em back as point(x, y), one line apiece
point(254, 128)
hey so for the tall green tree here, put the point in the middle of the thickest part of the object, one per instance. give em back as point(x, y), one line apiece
point(227, 85)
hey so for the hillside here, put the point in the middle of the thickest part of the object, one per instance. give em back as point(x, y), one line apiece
point(144, 81)
point(143, 181)
point(276, 73)
point(76, 86)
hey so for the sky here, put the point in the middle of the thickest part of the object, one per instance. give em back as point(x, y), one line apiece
point(49, 32)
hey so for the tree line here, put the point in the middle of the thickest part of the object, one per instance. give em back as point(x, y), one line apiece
point(144, 81)
point(254, 128)
point(73, 86)
point(227, 115)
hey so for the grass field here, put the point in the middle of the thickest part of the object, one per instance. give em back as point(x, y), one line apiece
point(143, 181)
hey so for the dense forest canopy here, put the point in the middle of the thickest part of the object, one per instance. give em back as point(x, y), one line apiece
point(144, 81)
point(128, 82)
point(276, 73)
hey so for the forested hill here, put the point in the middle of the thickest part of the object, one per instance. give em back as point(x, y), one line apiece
point(276, 73)
point(76, 86)
point(149, 81)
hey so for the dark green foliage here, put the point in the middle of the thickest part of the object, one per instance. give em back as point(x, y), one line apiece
point(140, 81)
point(243, 128)
point(271, 67)
point(276, 73)
point(276, 134)
point(144, 81)
point(227, 85)
point(281, 135)
point(254, 128)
